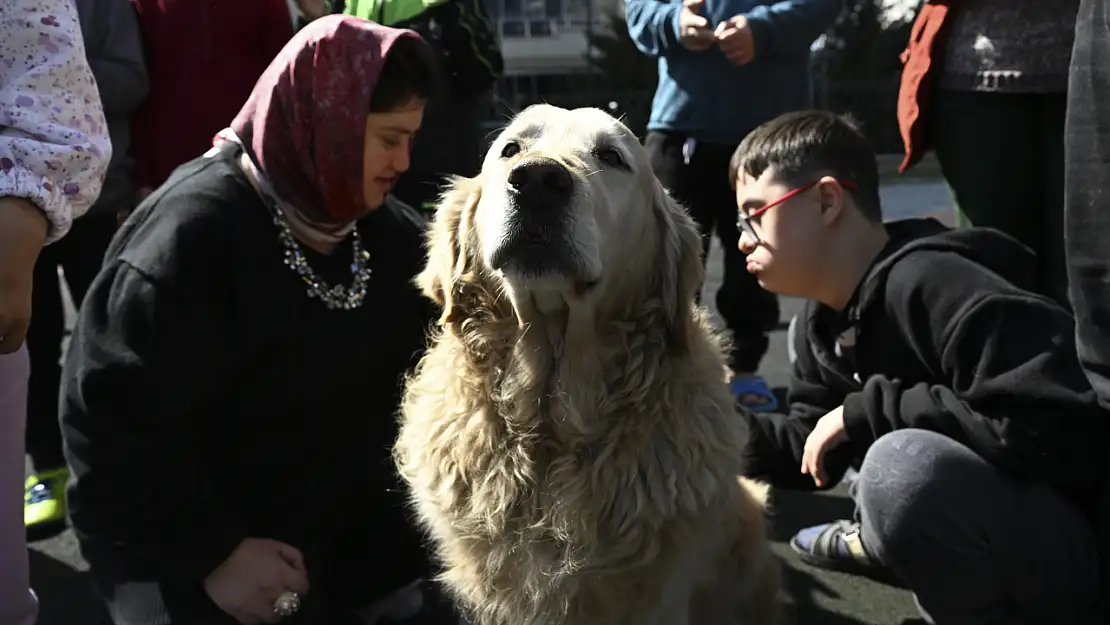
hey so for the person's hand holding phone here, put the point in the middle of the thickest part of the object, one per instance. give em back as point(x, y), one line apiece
point(736, 40)
point(253, 577)
point(693, 28)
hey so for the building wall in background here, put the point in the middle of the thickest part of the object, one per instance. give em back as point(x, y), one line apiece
point(546, 36)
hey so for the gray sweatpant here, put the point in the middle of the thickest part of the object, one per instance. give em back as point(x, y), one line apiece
point(977, 547)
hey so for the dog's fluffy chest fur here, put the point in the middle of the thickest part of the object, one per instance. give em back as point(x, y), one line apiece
point(533, 487)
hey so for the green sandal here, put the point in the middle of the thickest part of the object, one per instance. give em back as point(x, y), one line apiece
point(44, 498)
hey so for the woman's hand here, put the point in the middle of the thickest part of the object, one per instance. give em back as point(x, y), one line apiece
point(827, 434)
point(252, 578)
point(23, 229)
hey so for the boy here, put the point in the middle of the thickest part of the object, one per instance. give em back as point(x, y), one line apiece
point(923, 359)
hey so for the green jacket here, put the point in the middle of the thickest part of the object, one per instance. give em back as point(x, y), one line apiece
point(461, 32)
point(389, 12)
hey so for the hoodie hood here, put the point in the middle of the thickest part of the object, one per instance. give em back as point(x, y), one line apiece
point(995, 250)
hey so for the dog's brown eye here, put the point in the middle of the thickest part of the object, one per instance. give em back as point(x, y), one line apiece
point(510, 150)
point(610, 157)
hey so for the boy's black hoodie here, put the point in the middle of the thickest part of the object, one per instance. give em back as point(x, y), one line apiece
point(948, 337)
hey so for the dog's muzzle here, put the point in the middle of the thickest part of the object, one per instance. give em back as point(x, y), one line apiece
point(541, 191)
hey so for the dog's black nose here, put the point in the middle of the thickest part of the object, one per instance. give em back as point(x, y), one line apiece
point(541, 180)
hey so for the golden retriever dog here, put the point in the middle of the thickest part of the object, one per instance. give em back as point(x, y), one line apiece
point(569, 440)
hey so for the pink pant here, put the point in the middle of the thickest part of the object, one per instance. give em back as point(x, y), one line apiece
point(17, 603)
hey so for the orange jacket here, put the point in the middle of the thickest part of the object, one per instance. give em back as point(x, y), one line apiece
point(914, 93)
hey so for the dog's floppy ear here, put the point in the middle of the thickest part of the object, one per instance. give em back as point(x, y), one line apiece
point(680, 268)
point(448, 264)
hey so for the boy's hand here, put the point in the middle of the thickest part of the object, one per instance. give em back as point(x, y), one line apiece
point(828, 433)
point(735, 39)
point(23, 229)
point(693, 29)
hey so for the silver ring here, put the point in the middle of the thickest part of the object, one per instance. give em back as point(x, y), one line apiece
point(287, 604)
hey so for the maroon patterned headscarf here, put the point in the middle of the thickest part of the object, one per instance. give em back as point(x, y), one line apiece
point(305, 121)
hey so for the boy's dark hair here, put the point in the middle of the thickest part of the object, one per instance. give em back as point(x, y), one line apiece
point(411, 72)
point(802, 146)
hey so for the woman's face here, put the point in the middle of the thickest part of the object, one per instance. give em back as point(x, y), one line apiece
point(385, 155)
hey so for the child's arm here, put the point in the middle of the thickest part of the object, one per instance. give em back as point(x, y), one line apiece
point(1016, 395)
point(773, 452)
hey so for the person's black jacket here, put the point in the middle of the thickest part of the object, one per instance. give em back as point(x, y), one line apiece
point(947, 338)
point(206, 398)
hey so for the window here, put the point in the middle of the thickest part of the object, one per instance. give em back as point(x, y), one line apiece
point(513, 28)
point(540, 28)
point(537, 18)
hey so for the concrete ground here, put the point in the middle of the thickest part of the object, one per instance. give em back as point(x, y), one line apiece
point(815, 597)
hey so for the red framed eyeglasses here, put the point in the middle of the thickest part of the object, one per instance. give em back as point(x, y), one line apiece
point(744, 222)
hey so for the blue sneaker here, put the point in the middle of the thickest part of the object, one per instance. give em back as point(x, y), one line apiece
point(752, 393)
point(837, 546)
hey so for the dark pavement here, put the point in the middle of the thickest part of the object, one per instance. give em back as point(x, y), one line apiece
point(815, 597)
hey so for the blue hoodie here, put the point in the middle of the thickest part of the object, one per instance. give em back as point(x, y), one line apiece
point(703, 95)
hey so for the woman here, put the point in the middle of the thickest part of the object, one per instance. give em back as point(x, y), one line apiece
point(989, 80)
point(228, 398)
point(453, 141)
point(54, 149)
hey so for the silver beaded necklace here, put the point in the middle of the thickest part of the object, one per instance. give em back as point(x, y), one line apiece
point(334, 297)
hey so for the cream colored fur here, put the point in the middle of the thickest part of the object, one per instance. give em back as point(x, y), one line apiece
point(573, 454)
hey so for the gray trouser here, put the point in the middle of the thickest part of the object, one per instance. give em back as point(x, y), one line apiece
point(1087, 211)
point(974, 545)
